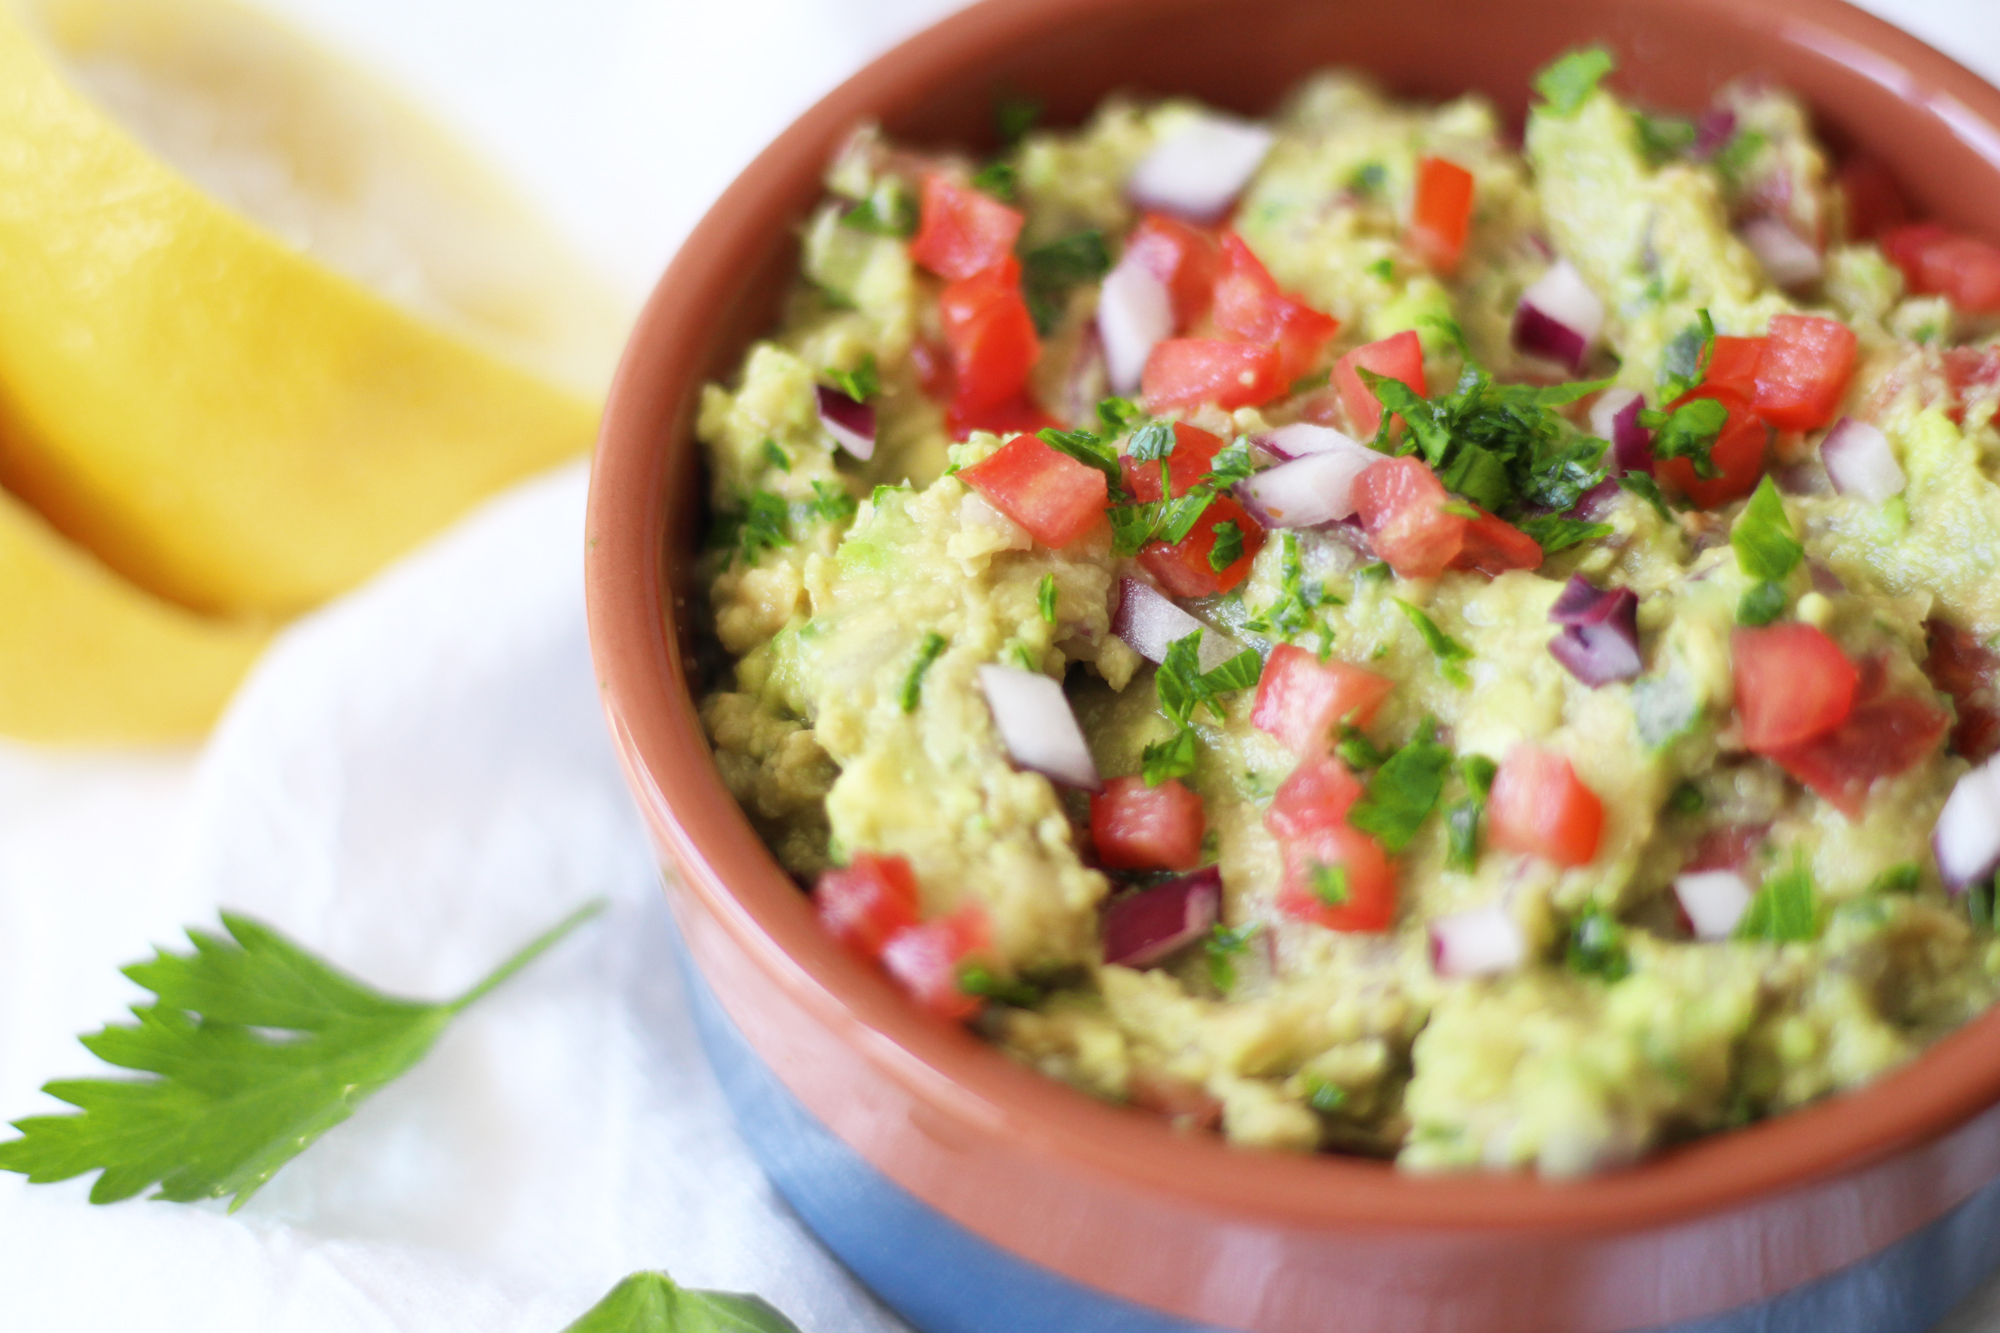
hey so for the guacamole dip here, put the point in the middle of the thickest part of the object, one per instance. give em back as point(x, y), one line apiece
point(1348, 633)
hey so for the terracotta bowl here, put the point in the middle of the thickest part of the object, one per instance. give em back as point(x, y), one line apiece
point(975, 1194)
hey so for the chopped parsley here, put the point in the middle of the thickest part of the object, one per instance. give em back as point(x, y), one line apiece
point(1183, 688)
point(1045, 598)
point(928, 652)
point(1569, 80)
point(1329, 883)
point(775, 456)
point(1323, 1096)
point(1228, 548)
point(1048, 272)
point(998, 179)
point(830, 502)
point(1686, 358)
point(1298, 597)
point(764, 525)
point(1902, 878)
point(1554, 533)
point(1086, 448)
point(1689, 432)
point(1172, 517)
point(1173, 757)
point(1151, 443)
point(1357, 751)
point(1686, 799)
point(1449, 651)
point(1379, 572)
point(1462, 819)
point(1643, 486)
point(889, 210)
point(984, 982)
point(1785, 908)
point(1368, 179)
point(1402, 792)
point(861, 383)
point(1663, 138)
point(1767, 551)
point(1735, 158)
point(1760, 604)
point(1382, 269)
point(1222, 945)
point(1117, 415)
point(1597, 947)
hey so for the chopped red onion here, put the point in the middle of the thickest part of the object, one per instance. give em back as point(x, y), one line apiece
point(1966, 840)
point(1599, 642)
point(1615, 417)
point(1786, 257)
point(1559, 317)
point(1713, 902)
point(1594, 503)
point(1312, 489)
point(1712, 131)
point(1305, 437)
point(1859, 461)
point(1197, 171)
point(1478, 943)
point(851, 424)
point(1149, 621)
point(1038, 726)
point(1824, 580)
point(1145, 927)
point(1135, 312)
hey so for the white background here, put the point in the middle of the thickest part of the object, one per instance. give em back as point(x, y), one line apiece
point(417, 779)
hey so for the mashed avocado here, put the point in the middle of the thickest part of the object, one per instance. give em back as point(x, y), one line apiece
point(1782, 726)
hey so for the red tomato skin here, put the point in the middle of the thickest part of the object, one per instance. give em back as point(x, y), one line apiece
point(1539, 806)
point(962, 231)
point(1019, 415)
point(1183, 568)
point(1874, 203)
point(1187, 372)
point(1300, 698)
point(866, 901)
point(1054, 497)
point(1879, 739)
point(1317, 795)
point(1183, 257)
point(1971, 373)
point(1194, 454)
point(1399, 357)
point(1804, 371)
point(925, 960)
point(1401, 504)
point(1792, 684)
point(991, 335)
point(1738, 451)
point(1442, 213)
point(1371, 880)
point(1493, 546)
point(1964, 668)
point(1136, 827)
point(1248, 305)
point(1732, 365)
point(1937, 261)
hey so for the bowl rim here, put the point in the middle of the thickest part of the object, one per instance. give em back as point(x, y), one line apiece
point(652, 713)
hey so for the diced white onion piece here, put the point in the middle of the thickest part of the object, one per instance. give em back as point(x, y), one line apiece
point(1199, 169)
point(1859, 461)
point(1310, 490)
point(1571, 316)
point(1786, 256)
point(1149, 621)
point(1966, 840)
point(975, 512)
point(1038, 726)
point(1714, 901)
point(1304, 437)
point(1604, 412)
point(1135, 312)
point(1478, 943)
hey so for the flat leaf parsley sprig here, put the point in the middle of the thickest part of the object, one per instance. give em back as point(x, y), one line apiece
point(258, 1048)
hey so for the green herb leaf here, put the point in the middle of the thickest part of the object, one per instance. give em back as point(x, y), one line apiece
point(1228, 548)
point(998, 179)
point(1686, 358)
point(928, 651)
point(1462, 820)
point(1170, 758)
point(1291, 614)
point(653, 1303)
point(1241, 672)
point(889, 210)
point(1324, 1097)
point(1553, 533)
point(1785, 908)
point(1597, 947)
point(259, 1048)
point(1013, 117)
point(765, 525)
point(1048, 272)
point(1368, 178)
point(982, 981)
point(1689, 432)
point(1568, 81)
point(1379, 572)
point(1383, 270)
point(1686, 799)
point(776, 457)
point(1329, 883)
point(1222, 945)
point(1402, 792)
point(1643, 486)
point(1761, 604)
point(1735, 158)
point(1087, 449)
point(1230, 465)
point(1357, 751)
point(1762, 538)
point(1117, 415)
point(861, 383)
point(1045, 598)
point(1663, 138)
point(1450, 652)
point(1151, 443)
point(831, 502)
point(1902, 878)
point(1478, 772)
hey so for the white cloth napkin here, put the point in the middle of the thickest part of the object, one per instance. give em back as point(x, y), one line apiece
point(416, 780)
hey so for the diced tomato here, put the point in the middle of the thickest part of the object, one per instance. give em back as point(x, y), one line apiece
point(1194, 454)
point(1248, 305)
point(1874, 204)
point(1185, 258)
point(1338, 878)
point(991, 335)
point(864, 902)
point(1733, 363)
point(1317, 795)
point(1937, 261)
point(1539, 806)
point(962, 231)
point(1738, 452)
point(1400, 357)
point(1187, 372)
point(931, 360)
point(1972, 373)
point(1792, 684)
point(1183, 568)
point(1493, 546)
point(1019, 415)
point(1804, 371)
point(1054, 497)
point(1300, 699)
point(1726, 848)
point(1442, 213)
point(1966, 669)
point(926, 960)
point(1401, 504)
point(1136, 827)
point(1879, 739)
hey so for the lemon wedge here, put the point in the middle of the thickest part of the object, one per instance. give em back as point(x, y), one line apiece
point(261, 327)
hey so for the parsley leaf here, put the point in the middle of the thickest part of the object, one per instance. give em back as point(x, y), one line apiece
point(653, 1303)
point(1087, 449)
point(1116, 415)
point(1291, 614)
point(1329, 883)
point(861, 383)
point(1403, 792)
point(1368, 178)
point(1049, 271)
point(1228, 548)
point(928, 651)
point(988, 984)
point(1597, 947)
point(233, 1100)
point(765, 525)
point(1151, 443)
point(1663, 138)
point(776, 457)
point(1566, 82)
point(889, 210)
point(1689, 432)
point(1182, 688)
point(1171, 758)
point(1462, 819)
point(997, 179)
point(1686, 799)
point(1762, 538)
point(830, 501)
point(1643, 486)
point(1222, 944)
point(1686, 359)
point(1735, 158)
point(1450, 652)
point(1045, 598)
point(1357, 751)
point(1785, 908)
point(1760, 604)
point(1553, 533)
